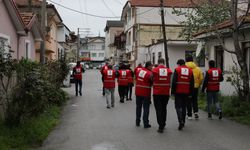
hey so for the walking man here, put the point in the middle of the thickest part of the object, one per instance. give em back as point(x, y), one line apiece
point(143, 93)
point(109, 85)
point(78, 70)
point(161, 92)
point(211, 83)
point(123, 74)
point(198, 78)
point(182, 87)
point(105, 67)
point(130, 83)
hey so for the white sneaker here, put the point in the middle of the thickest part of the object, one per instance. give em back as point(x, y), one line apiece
point(189, 118)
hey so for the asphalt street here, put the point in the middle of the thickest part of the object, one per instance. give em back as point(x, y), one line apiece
point(86, 124)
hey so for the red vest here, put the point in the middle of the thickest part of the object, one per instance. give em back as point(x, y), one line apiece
point(143, 84)
point(78, 72)
point(105, 67)
point(109, 79)
point(183, 80)
point(137, 69)
point(123, 77)
point(214, 75)
point(161, 82)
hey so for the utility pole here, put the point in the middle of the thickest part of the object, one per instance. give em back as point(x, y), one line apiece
point(164, 33)
point(78, 44)
point(43, 27)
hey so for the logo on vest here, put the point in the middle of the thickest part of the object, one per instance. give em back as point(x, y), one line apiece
point(124, 73)
point(142, 73)
point(110, 72)
point(78, 70)
point(163, 72)
point(215, 73)
point(184, 71)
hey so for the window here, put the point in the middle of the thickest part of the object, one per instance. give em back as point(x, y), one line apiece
point(246, 49)
point(4, 44)
point(101, 54)
point(159, 55)
point(27, 49)
point(93, 55)
point(82, 53)
point(201, 58)
point(129, 38)
point(219, 57)
point(153, 58)
point(103, 47)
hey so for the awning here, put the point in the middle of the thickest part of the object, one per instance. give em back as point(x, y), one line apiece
point(199, 48)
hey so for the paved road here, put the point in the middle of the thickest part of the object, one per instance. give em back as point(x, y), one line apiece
point(86, 124)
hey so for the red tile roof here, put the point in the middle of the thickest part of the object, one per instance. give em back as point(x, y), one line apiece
point(223, 25)
point(167, 3)
point(172, 3)
point(27, 17)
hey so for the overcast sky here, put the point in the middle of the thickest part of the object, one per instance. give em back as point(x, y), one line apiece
point(74, 20)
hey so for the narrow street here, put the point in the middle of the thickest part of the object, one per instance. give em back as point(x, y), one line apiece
point(86, 124)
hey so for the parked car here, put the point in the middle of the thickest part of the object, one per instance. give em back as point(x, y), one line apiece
point(71, 65)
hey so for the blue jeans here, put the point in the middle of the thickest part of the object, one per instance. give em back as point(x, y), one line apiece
point(144, 102)
point(212, 98)
point(78, 82)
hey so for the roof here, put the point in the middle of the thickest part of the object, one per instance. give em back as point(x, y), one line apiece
point(25, 2)
point(113, 23)
point(223, 25)
point(166, 3)
point(27, 17)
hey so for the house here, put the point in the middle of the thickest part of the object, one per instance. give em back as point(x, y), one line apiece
point(71, 53)
point(113, 28)
point(92, 50)
point(223, 59)
point(63, 39)
point(19, 32)
point(53, 20)
point(142, 26)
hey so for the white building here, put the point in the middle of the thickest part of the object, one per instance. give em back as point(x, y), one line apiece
point(143, 26)
point(63, 38)
point(113, 28)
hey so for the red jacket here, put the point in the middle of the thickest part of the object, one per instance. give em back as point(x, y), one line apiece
point(143, 83)
point(77, 71)
point(123, 77)
point(161, 80)
point(109, 79)
point(184, 77)
point(214, 75)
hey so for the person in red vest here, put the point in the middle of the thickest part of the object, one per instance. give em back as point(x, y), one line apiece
point(130, 83)
point(211, 83)
point(138, 68)
point(105, 67)
point(123, 75)
point(161, 92)
point(109, 76)
point(78, 70)
point(182, 88)
point(144, 80)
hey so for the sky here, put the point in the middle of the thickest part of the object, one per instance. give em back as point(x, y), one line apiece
point(89, 26)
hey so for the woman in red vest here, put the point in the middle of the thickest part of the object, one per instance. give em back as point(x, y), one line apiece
point(123, 75)
point(143, 93)
point(161, 92)
point(182, 88)
point(77, 73)
point(109, 85)
point(211, 83)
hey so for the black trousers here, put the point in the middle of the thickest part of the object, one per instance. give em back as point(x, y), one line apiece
point(160, 102)
point(193, 103)
point(122, 90)
point(103, 89)
point(78, 83)
point(142, 102)
point(129, 91)
point(181, 101)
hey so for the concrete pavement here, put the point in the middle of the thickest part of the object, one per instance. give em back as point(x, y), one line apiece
point(86, 124)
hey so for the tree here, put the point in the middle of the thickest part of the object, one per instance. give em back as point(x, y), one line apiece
point(208, 16)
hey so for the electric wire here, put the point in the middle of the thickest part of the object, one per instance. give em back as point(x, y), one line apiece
point(105, 4)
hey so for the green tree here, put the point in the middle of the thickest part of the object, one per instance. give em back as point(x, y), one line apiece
point(207, 16)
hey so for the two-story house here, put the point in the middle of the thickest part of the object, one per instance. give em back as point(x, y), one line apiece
point(53, 20)
point(113, 28)
point(93, 50)
point(19, 32)
point(63, 39)
point(143, 26)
